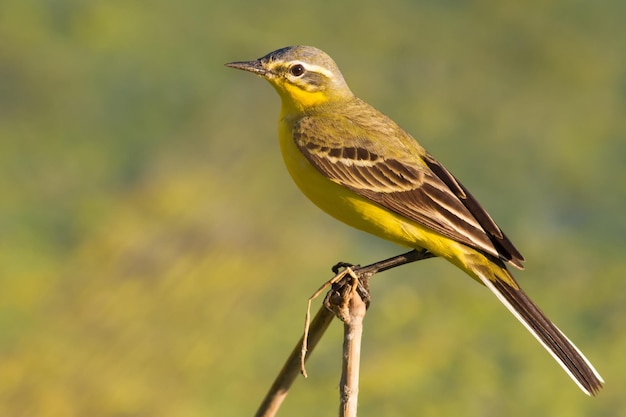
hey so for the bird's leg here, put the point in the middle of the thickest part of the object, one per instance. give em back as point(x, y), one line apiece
point(395, 261)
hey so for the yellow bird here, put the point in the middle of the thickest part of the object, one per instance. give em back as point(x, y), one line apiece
point(360, 167)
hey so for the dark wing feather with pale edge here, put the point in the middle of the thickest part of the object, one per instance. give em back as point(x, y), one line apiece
point(424, 192)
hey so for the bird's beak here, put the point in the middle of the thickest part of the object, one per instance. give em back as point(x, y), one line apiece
point(255, 67)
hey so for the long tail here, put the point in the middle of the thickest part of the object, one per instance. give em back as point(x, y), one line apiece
point(551, 338)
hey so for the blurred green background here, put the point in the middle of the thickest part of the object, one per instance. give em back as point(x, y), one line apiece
point(155, 258)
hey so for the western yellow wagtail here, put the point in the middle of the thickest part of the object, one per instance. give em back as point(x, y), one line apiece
point(360, 167)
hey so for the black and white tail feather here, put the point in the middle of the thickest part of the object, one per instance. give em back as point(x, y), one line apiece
point(551, 338)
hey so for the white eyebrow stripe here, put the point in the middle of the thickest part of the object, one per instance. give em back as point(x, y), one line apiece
point(315, 68)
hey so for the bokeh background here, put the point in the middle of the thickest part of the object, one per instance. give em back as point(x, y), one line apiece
point(155, 258)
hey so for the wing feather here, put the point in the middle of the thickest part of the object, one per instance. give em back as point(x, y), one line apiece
point(408, 181)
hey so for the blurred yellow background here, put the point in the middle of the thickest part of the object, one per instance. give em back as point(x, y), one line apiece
point(155, 258)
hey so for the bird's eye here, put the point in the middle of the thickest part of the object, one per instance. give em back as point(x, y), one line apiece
point(297, 70)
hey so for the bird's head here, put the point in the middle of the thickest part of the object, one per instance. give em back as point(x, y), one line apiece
point(304, 76)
